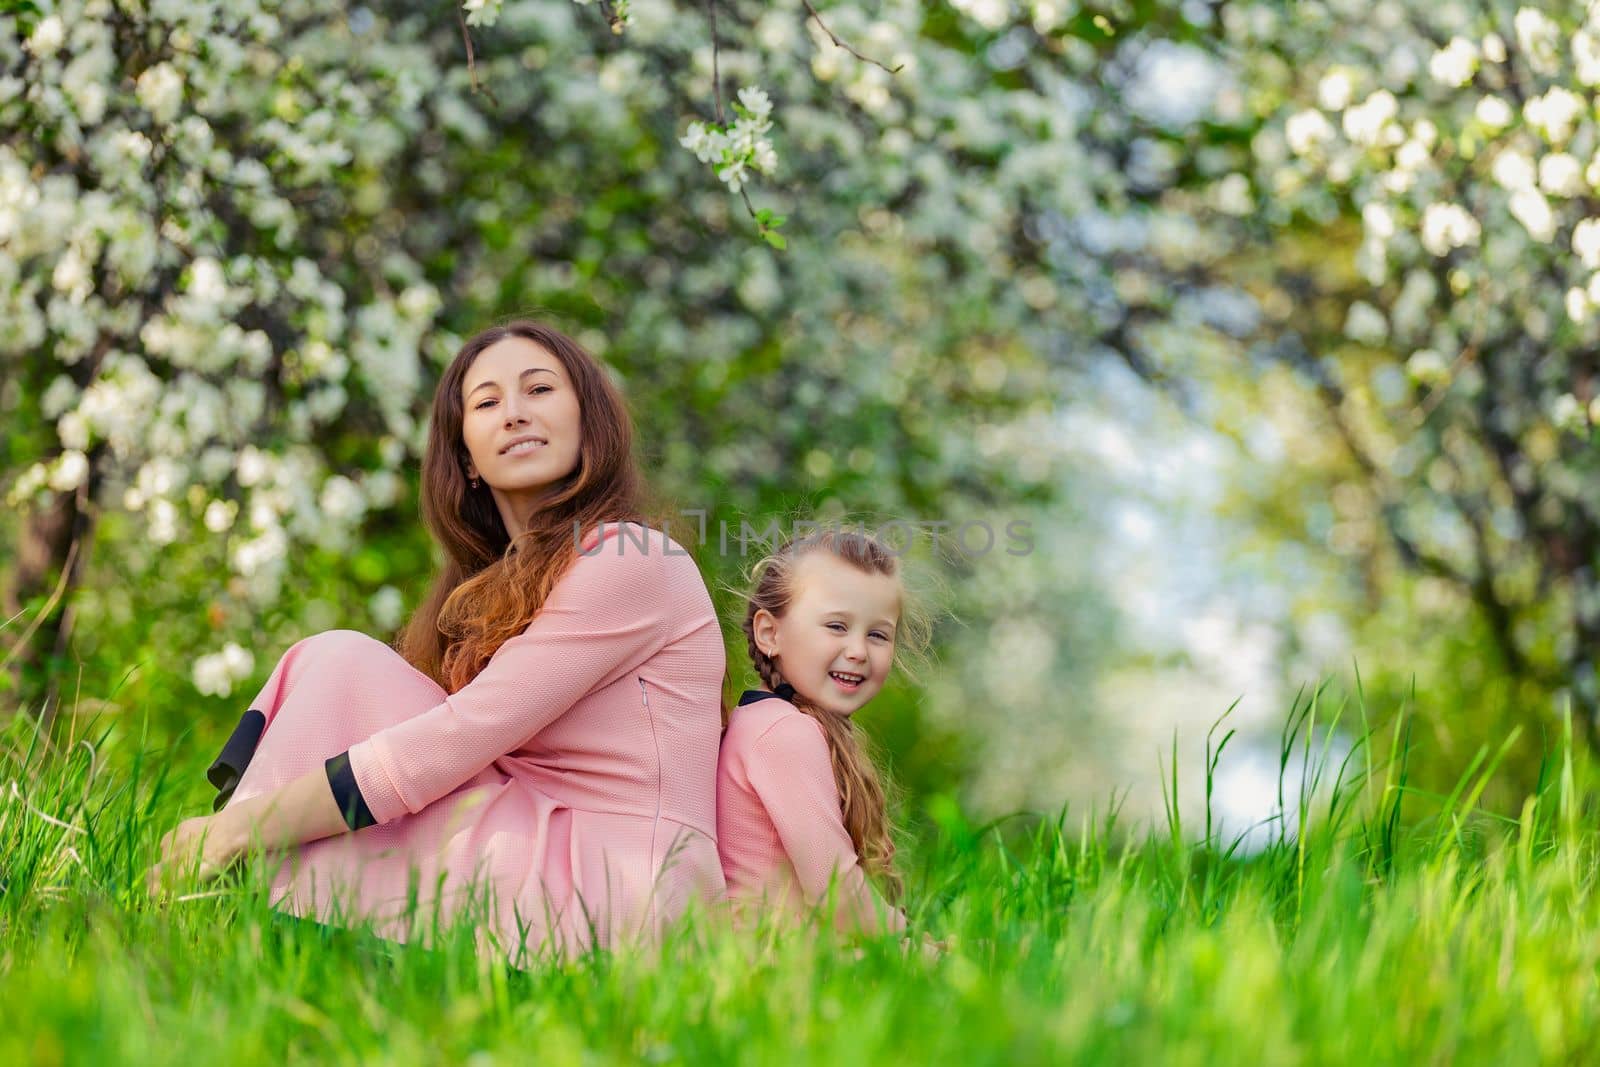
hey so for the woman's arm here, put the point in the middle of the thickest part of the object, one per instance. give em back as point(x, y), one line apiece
point(302, 810)
point(612, 611)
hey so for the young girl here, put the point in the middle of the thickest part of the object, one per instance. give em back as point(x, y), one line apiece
point(800, 809)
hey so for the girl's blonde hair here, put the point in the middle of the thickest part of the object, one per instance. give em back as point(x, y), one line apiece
point(861, 789)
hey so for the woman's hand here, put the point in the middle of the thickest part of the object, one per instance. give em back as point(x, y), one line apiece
point(201, 844)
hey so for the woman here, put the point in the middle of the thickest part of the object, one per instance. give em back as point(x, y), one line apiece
point(547, 736)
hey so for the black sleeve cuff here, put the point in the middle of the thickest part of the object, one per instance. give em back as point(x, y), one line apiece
point(352, 805)
point(225, 772)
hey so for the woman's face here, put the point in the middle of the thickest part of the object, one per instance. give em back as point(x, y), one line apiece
point(520, 422)
point(835, 643)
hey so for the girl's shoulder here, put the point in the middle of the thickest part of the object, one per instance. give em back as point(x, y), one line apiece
point(768, 721)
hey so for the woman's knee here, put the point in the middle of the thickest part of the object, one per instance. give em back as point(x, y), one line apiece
point(362, 659)
point(337, 643)
point(342, 651)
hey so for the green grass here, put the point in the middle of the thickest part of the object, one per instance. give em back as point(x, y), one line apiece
point(1379, 925)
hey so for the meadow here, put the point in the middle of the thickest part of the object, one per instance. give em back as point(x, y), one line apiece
point(1370, 922)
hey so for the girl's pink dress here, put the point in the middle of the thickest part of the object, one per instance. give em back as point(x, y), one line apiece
point(570, 786)
point(780, 824)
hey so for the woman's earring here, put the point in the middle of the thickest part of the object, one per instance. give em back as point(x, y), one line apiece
point(474, 483)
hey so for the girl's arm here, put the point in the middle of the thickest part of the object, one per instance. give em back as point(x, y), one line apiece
point(791, 772)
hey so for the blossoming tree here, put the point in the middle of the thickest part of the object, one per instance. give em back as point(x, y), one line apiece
point(1454, 355)
point(236, 236)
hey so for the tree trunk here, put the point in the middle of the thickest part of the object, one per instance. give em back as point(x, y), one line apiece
point(51, 552)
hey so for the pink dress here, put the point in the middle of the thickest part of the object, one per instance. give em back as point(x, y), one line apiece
point(780, 825)
point(565, 794)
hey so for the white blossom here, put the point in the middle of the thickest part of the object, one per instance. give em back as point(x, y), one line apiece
point(163, 521)
point(1539, 39)
point(1493, 112)
point(1455, 63)
point(1448, 226)
point(28, 483)
point(1427, 367)
point(1412, 156)
point(160, 90)
point(341, 499)
point(703, 141)
point(252, 466)
point(387, 607)
point(216, 673)
point(1367, 122)
point(1335, 90)
point(1365, 324)
point(1566, 413)
point(1174, 84)
point(742, 146)
point(1560, 174)
point(1513, 170)
point(72, 429)
point(219, 515)
point(991, 14)
point(260, 554)
point(1530, 208)
point(71, 276)
point(734, 173)
point(61, 394)
point(1578, 306)
point(1378, 220)
point(69, 471)
point(1586, 56)
point(47, 37)
point(1555, 113)
point(756, 101)
point(482, 12)
point(1307, 130)
point(1586, 242)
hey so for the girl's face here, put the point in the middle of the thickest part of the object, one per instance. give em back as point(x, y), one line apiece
point(835, 643)
point(520, 421)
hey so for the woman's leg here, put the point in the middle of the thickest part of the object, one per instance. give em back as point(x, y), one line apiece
point(327, 692)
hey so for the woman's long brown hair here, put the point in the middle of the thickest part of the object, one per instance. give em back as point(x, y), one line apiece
point(861, 789)
point(490, 586)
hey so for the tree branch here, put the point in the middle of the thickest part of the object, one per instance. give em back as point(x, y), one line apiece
point(835, 39)
point(716, 73)
point(472, 63)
